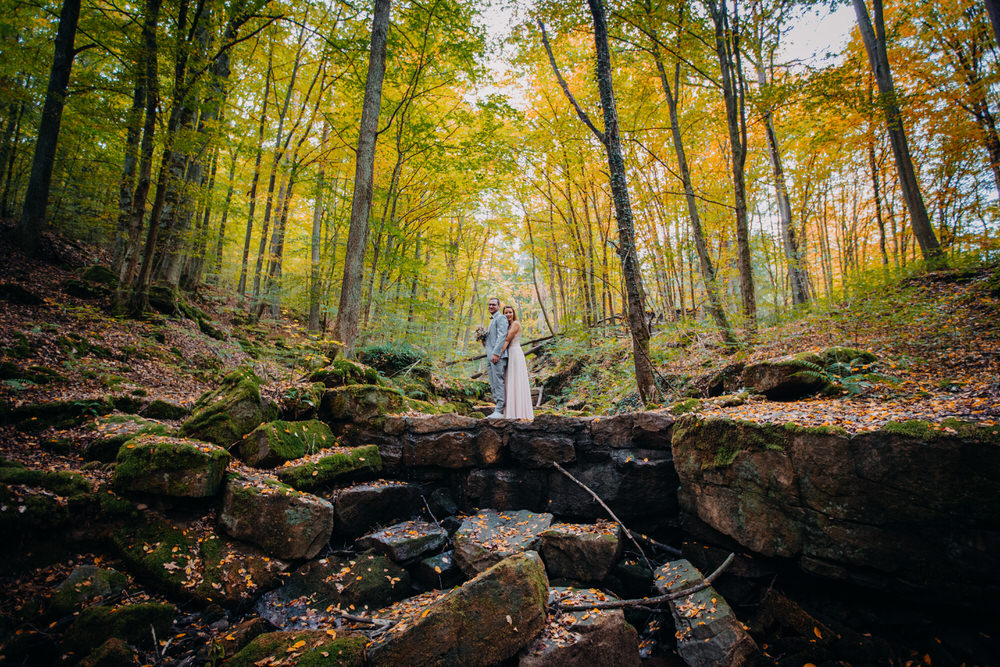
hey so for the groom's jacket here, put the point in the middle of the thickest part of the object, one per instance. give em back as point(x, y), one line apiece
point(495, 335)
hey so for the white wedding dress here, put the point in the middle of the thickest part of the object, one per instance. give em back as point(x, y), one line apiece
point(518, 404)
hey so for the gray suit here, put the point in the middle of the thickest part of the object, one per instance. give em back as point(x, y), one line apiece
point(495, 336)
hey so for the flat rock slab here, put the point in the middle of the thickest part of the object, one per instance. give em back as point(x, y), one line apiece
point(313, 594)
point(170, 467)
point(483, 622)
point(363, 506)
point(113, 431)
point(583, 638)
point(488, 537)
point(331, 465)
point(580, 551)
point(283, 522)
point(439, 571)
point(708, 632)
point(407, 541)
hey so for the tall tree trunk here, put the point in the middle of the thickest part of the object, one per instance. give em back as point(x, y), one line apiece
point(133, 133)
point(32, 222)
point(242, 286)
point(216, 276)
point(9, 155)
point(349, 311)
point(275, 162)
point(793, 255)
point(875, 45)
point(706, 268)
point(314, 274)
point(727, 47)
point(631, 270)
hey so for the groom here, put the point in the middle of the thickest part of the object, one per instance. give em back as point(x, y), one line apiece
point(496, 361)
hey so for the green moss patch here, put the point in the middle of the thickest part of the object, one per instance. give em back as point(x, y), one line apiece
point(324, 468)
point(57, 414)
point(115, 430)
point(170, 466)
point(343, 372)
point(307, 648)
point(226, 414)
point(274, 443)
point(948, 428)
point(130, 623)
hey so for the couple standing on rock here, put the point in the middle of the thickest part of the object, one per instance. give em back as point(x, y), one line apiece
point(506, 366)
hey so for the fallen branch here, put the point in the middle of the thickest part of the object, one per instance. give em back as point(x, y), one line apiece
point(483, 354)
point(660, 545)
point(607, 509)
point(659, 599)
point(381, 622)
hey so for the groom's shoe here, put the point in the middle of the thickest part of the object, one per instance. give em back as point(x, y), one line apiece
point(495, 415)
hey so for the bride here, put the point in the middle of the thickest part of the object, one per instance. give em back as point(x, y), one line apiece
point(518, 404)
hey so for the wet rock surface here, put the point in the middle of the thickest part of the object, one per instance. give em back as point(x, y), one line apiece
point(708, 632)
point(488, 537)
point(362, 506)
point(407, 541)
point(581, 552)
point(582, 638)
point(485, 621)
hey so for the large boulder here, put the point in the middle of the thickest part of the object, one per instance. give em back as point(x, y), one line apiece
point(583, 638)
point(485, 621)
point(332, 465)
point(224, 415)
point(489, 537)
point(113, 431)
point(85, 585)
point(314, 593)
point(191, 561)
point(407, 541)
point(273, 443)
point(708, 632)
point(343, 372)
point(305, 647)
point(361, 506)
point(36, 502)
point(130, 623)
point(283, 522)
point(581, 552)
point(910, 507)
point(787, 379)
point(359, 403)
point(170, 467)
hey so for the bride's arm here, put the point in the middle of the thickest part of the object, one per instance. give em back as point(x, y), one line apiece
point(514, 328)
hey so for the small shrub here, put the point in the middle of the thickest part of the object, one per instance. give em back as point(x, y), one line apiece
point(392, 359)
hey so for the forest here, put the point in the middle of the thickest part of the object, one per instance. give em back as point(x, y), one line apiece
point(214, 143)
point(249, 248)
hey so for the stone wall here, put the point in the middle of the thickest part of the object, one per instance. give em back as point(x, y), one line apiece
point(506, 464)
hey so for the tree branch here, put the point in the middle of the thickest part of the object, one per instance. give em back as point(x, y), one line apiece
point(659, 599)
point(565, 88)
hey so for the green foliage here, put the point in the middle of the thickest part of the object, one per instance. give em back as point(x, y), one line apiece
point(392, 359)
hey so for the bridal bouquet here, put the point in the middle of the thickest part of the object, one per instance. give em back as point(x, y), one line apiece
point(481, 334)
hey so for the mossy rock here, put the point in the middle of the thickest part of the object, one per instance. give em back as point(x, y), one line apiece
point(847, 355)
point(300, 402)
point(112, 653)
point(160, 409)
point(37, 374)
point(83, 289)
point(343, 372)
point(130, 623)
point(115, 431)
point(273, 443)
point(84, 584)
point(306, 648)
point(170, 466)
point(947, 428)
point(101, 275)
point(359, 403)
point(685, 406)
point(334, 467)
point(42, 500)
point(226, 414)
point(483, 622)
point(57, 414)
point(280, 520)
point(192, 562)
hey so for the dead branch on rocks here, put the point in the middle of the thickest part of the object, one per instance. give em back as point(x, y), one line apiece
point(660, 545)
point(659, 599)
point(607, 509)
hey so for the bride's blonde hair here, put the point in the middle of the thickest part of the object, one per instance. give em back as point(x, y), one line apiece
point(511, 310)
